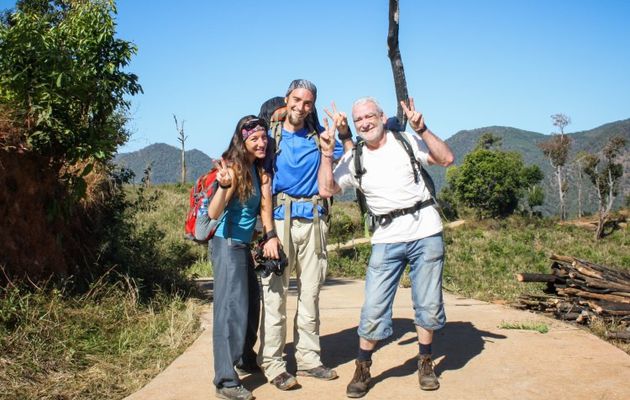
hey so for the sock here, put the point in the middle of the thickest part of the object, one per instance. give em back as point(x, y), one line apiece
point(364, 355)
point(425, 349)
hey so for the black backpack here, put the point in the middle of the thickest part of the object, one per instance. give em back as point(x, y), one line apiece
point(418, 170)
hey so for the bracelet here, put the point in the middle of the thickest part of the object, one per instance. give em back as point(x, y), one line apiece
point(346, 136)
point(226, 186)
point(270, 235)
point(328, 155)
point(424, 129)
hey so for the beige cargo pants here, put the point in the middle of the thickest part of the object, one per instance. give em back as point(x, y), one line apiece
point(310, 270)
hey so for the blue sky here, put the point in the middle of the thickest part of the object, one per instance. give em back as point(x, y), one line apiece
point(469, 64)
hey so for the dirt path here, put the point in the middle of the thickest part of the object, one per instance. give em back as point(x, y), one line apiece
point(475, 358)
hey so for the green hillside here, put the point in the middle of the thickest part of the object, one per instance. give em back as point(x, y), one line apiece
point(165, 161)
point(525, 143)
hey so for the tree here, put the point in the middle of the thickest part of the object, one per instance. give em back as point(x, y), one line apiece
point(579, 178)
point(488, 141)
point(182, 139)
point(393, 52)
point(556, 149)
point(535, 195)
point(62, 71)
point(491, 182)
point(535, 198)
point(605, 178)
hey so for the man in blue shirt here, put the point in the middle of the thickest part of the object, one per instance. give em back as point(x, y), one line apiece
point(300, 216)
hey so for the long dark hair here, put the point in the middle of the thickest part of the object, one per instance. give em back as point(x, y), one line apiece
point(237, 158)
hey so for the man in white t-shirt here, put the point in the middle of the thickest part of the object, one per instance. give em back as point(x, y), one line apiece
point(410, 231)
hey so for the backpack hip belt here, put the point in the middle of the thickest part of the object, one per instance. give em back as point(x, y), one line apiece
point(386, 219)
point(287, 200)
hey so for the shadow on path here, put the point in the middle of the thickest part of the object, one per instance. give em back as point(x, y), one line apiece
point(455, 344)
point(458, 343)
point(341, 347)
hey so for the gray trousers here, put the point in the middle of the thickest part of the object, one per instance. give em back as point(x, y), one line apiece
point(236, 309)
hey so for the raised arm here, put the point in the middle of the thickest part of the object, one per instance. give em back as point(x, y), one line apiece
point(225, 178)
point(325, 182)
point(340, 120)
point(439, 152)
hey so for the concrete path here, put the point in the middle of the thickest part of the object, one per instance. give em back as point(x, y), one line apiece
point(475, 359)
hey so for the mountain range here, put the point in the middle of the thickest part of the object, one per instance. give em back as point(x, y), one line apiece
point(165, 160)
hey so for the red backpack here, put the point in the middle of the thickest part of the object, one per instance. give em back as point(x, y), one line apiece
point(199, 227)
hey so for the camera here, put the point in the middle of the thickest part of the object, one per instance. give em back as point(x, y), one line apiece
point(267, 266)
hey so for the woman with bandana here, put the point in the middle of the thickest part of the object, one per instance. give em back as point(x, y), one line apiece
point(244, 191)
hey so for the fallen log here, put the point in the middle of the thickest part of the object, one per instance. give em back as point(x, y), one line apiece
point(529, 277)
point(580, 291)
point(590, 295)
point(605, 307)
point(572, 316)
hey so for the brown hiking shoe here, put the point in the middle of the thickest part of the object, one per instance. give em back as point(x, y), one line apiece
point(321, 372)
point(360, 383)
point(426, 375)
point(284, 381)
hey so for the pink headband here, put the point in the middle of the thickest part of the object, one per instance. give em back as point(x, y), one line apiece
point(248, 132)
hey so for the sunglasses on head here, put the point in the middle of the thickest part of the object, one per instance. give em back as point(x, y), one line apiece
point(254, 122)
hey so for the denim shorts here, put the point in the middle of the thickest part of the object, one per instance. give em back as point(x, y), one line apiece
point(387, 262)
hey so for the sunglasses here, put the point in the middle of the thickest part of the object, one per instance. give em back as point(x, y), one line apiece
point(254, 122)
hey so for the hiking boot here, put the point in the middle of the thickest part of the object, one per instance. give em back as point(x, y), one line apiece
point(426, 375)
point(321, 372)
point(247, 369)
point(360, 383)
point(284, 381)
point(234, 393)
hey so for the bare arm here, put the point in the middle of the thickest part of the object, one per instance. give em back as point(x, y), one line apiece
point(439, 152)
point(270, 249)
point(325, 181)
point(340, 120)
point(225, 178)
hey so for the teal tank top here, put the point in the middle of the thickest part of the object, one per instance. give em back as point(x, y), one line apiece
point(240, 219)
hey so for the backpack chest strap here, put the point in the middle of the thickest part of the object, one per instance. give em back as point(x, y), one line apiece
point(386, 219)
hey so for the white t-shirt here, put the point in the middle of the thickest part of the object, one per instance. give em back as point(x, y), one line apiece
point(388, 185)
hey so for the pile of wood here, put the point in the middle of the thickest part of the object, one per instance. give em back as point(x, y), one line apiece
point(581, 291)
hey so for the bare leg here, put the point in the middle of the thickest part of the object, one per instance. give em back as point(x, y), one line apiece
point(366, 344)
point(425, 336)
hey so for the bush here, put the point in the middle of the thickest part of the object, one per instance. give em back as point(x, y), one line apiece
point(133, 246)
point(346, 222)
point(491, 182)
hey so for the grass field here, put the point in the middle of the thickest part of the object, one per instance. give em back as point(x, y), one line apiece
point(107, 343)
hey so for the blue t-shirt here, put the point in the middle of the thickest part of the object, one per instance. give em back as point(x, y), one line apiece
point(240, 219)
point(295, 171)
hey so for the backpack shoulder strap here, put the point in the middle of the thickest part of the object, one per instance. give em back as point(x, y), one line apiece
point(415, 164)
point(315, 137)
point(276, 133)
point(359, 170)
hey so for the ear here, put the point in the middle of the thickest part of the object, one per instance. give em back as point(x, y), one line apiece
point(384, 118)
point(286, 100)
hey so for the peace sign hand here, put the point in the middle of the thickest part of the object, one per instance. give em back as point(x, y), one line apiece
point(224, 174)
point(327, 138)
point(339, 118)
point(415, 118)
